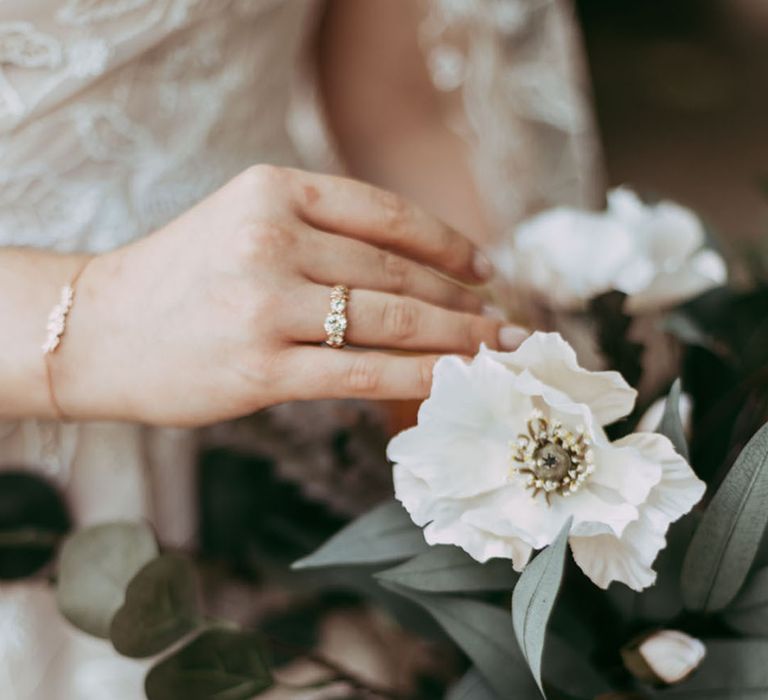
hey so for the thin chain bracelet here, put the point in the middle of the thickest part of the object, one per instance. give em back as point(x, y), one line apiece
point(56, 328)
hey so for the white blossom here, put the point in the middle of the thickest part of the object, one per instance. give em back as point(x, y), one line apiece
point(650, 420)
point(671, 656)
point(510, 445)
point(656, 254)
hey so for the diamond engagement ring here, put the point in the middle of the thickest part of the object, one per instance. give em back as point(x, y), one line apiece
point(336, 320)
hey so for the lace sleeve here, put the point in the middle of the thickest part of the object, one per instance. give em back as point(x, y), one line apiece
point(513, 76)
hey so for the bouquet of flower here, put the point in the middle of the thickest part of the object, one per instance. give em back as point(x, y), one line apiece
point(568, 544)
point(573, 536)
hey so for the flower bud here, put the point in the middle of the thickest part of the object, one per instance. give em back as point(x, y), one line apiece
point(666, 656)
point(650, 420)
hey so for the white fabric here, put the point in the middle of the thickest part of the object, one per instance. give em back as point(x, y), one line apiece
point(116, 115)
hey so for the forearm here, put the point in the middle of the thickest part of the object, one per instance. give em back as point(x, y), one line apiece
point(389, 122)
point(429, 164)
point(30, 285)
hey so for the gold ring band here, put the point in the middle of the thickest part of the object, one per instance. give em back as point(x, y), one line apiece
point(336, 320)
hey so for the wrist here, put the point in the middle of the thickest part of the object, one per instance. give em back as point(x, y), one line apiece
point(32, 281)
point(90, 378)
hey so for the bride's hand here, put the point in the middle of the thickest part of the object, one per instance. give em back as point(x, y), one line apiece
point(221, 312)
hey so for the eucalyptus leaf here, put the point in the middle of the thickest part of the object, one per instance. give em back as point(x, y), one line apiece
point(534, 599)
point(161, 607)
point(95, 566)
point(725, 543)
point(734, 669)
point(217, 665)
point(471, 686)
point(671, 425)
point(485, 634)
point(688, 331)
point(33, 521)
point(449, 569)
point(748, 613)
point(385, 534)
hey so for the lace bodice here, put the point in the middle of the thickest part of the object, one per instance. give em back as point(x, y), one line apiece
point(116, 115)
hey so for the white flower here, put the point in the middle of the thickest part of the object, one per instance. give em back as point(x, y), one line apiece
point(666, 656)
point(511, 445)
point(652, 417)
point(653, 253)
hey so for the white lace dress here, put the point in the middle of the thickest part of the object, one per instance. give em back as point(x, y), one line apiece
point(117, 115)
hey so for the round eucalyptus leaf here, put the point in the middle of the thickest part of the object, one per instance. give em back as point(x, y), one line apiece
point(218, 664)
point(161, 606)
point(95, 566)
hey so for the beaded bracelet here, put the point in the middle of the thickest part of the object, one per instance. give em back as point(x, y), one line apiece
point(56, 327)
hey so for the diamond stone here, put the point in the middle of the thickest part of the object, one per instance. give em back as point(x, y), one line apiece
point(335, 324)
point(338, 305)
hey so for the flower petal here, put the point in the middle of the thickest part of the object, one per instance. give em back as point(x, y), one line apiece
point(444, 524)
point(606, 558)
point(667, 232)
point(455, 463)
point(514, 512)
point(554, 254)
point(461, 445)
point(629, 558)
point(551, 360)
point(679, 489)
point(705, 270)
point(624, 468)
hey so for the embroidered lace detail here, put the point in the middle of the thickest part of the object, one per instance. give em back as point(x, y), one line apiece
point(81, 12)
point(21, 45)
point(519, 98)
point(115, 115)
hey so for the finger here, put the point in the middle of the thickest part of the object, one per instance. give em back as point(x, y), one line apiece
point(387, 321)
point(358, 210)
point(327, 259)
point(323, 373)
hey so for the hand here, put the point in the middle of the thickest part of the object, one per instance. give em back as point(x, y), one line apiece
point(221, 312)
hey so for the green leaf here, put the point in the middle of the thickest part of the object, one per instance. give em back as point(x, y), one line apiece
point(688, 331)
point(485, 634)
point(671, 425)
point(95, 566)
point(471, 686)
point(385, 534)
point(444, 568)
point(160, 607)
point(534, 599)
point(217, 665)
point(727, 539)
point(748, 613)
point(732, 670)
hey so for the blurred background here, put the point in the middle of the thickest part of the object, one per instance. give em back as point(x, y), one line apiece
point(682, 105)
point(680, 97)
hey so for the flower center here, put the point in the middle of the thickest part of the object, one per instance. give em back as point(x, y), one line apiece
point(551, 461)
point(550, 458)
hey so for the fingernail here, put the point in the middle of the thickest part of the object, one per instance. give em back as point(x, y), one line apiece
point(510, 337)
point(494, 312)
point(482, 266)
